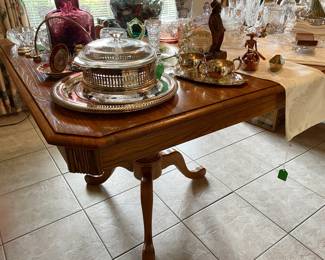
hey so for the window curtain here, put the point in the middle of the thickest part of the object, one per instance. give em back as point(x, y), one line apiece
point(12, 15)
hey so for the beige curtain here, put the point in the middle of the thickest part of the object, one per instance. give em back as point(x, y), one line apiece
point(12, 15)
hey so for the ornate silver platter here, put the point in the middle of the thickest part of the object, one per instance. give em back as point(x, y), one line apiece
point(231, 80)
point(72, 94)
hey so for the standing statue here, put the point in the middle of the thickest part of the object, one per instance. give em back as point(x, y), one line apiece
point(252, 56)
point(217, 31)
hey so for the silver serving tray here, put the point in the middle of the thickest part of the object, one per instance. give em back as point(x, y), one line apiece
point(71, 93)
point(231, 80)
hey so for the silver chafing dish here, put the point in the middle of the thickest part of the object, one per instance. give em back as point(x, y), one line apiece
point(118, 75)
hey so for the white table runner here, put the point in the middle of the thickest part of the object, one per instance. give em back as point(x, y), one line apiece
point(305, 94)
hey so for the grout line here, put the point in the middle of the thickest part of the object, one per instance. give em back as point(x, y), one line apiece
point(43, 226)
point(207, 206)
point(235, 142)
point(99, 237)
point(108, 198)
point(3, 247)
point(141, 243)
point(30, 185)
point(304, 245)
point(305, 220)
point(199, 240)
point(267, 172)
point(294, 180)
point(21, 155)
point(181, 221)
point(55, 162)
point(287, 232)
point(91, 223)
point(268, 248)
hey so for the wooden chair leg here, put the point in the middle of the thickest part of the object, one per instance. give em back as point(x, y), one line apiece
point(97, 180)
point(173, 157)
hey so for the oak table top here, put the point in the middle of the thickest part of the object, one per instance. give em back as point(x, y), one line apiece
point(95, 144)
point(213, 108)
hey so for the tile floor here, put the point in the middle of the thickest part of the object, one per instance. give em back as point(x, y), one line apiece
point(239, 211)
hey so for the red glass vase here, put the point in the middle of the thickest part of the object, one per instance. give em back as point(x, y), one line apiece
point(63, 30)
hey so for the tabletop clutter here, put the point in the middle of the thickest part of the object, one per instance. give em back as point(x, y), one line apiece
point(118, 65)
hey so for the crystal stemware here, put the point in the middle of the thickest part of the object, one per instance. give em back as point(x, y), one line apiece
point(252, 12)
point(153, 30)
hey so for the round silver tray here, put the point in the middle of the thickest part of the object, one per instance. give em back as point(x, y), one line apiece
point(231, 80)
point(71, 93)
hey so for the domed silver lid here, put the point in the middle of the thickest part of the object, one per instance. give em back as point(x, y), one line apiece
point(115, 53)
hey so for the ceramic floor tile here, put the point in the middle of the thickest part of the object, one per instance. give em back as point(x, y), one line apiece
point(26, 170)
point(286, 203)
point(309, 169)
point(2, 255)
point(240, 131)
point(288, 249)
point(32, 207)
point(312, 233)
point(217, 140)
point(19, 143)
point(13, 119)
point(204, 145)
point(232, 229)
point(234, 166)
point(39, 132)
point(119, 220)
point(120, 181)
point(271, 148)
point(58, 159)
point(177, 243)
point(185, 196)
point(72, 238)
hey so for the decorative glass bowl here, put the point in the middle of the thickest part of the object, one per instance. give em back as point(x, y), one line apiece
point(23, 37)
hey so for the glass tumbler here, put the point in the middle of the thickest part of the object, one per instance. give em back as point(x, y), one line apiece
point(153, 29)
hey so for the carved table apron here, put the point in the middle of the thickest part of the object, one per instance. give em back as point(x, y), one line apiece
point(96, 144)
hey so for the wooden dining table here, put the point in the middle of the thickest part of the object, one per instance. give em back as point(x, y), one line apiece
point(95, 144)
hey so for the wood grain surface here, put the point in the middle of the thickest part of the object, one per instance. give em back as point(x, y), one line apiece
point(60, 125)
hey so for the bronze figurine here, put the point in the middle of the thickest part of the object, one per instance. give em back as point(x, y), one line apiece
point(217, 30)
point(251, 58)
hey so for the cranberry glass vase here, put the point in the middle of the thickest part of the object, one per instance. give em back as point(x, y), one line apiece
point(65, 30)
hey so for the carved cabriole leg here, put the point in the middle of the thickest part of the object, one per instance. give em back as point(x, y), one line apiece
point(147, 170)
point(99, 179)
point(172, 157)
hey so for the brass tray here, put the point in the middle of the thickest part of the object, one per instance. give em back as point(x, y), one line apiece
point(231, 80)
point(70, 93)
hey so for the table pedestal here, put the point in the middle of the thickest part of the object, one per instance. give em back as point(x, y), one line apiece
point(147, 170)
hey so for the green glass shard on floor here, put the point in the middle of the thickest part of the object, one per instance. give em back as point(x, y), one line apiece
point(283, 175)
point(160, 71)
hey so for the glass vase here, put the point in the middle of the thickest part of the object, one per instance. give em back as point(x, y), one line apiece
point(126, 10)
point(184, 8)
point(66, 31)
